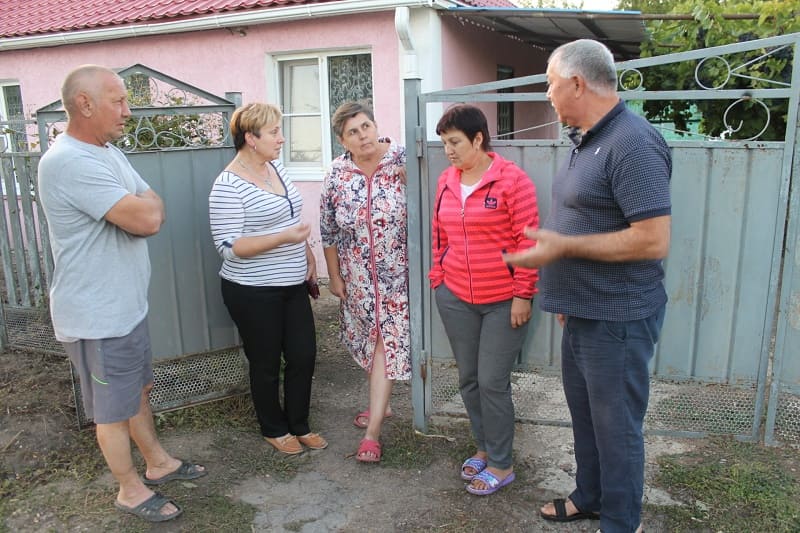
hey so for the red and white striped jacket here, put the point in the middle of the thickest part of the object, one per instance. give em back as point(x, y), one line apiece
point(468, 242)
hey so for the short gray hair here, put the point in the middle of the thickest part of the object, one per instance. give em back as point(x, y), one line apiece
point(85, 78)
point(588, 59)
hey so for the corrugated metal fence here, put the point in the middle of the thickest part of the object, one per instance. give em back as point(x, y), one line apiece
point(725, 362)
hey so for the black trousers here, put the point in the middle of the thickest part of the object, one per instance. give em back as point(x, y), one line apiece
point(275, 322)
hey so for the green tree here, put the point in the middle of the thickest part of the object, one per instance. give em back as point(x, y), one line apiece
point(713, 23)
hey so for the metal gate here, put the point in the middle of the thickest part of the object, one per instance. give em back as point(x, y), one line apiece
point(178, 142)
point(724, 364)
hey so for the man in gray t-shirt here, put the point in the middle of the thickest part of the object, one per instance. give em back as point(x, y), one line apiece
point(99, 211)
point(80, 184)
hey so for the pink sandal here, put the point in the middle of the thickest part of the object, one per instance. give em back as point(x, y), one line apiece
point(366, 447)
point(362, 419)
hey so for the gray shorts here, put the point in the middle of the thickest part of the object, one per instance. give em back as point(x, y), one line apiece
point(113, 373)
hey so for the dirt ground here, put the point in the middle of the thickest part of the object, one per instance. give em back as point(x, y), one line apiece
point(251, 488)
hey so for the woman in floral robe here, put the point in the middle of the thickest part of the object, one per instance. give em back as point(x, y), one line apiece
point(363, 227)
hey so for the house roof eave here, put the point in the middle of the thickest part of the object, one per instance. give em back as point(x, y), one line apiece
point(547, 28)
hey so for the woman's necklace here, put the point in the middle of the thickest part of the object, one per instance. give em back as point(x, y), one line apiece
point(266, 179)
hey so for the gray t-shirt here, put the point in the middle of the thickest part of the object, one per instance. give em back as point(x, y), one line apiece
point(99, 286)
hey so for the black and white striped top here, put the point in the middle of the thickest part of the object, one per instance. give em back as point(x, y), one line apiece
point(237, 208)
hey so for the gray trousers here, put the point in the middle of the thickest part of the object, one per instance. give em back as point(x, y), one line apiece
point(486, 348)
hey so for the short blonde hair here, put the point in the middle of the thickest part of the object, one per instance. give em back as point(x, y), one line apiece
point(252, 117)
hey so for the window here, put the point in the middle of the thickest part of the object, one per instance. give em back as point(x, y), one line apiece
point(12, 135)
point(310, 90)
point(505, 110)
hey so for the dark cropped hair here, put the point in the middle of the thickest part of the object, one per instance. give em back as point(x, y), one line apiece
point(468, 119)
point(252, 117)
point(348, 110)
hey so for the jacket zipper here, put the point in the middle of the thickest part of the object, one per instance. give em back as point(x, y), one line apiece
point(466, 248)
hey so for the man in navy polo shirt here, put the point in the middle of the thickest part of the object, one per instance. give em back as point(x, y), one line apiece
point(599, 257)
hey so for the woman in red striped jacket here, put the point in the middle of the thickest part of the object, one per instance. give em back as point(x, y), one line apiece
point(482, 207)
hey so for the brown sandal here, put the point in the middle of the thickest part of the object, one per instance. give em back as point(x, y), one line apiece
point(287, 444)
point(313, 441)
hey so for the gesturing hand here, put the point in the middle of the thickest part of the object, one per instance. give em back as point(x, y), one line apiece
point(549, 246)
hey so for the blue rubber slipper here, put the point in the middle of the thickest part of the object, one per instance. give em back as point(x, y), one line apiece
point(477, 464)
point(492, 483)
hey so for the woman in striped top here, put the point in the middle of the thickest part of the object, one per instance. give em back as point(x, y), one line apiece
point(482, 207)
point(254, 210)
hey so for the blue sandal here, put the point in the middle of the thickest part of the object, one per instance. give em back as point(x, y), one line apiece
point(492, 483)
point(476, 463)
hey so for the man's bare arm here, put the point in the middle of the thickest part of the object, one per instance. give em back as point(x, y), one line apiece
point(141, 214)
point(646, 239)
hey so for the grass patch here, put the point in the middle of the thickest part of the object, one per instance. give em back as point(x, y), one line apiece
point(203, 512)
point(233, 412)
point(254, 457)
point(405, 449)
point(80, 460)
point(732, 486)
point(63, 477)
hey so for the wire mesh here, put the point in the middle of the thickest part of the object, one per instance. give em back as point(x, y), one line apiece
point(685, 407)
point(186, 381)
point(30, 329)
point(198, 378)
point(787, 418)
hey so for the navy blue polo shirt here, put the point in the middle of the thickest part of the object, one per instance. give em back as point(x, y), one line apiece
point(618, 172)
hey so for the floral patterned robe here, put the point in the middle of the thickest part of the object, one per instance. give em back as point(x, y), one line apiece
point(365, 218)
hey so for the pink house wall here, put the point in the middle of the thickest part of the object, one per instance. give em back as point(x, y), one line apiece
point(471, 55)
point(220, 61)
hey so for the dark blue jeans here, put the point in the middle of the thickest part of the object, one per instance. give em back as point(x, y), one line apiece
point(607, 385)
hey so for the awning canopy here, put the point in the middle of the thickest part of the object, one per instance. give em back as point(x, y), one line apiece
point(621, 31)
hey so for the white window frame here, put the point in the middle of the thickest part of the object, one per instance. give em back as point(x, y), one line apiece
point(6, 140)
point(312, 172)
point(6, 137)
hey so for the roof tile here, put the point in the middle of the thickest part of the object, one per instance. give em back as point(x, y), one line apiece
point(51, 16)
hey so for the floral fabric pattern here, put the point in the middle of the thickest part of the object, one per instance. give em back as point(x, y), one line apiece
point(365, 218)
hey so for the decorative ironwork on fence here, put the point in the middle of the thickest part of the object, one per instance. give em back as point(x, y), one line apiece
point(166, 113)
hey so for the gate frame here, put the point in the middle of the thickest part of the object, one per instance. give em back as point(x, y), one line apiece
point(419, 183)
